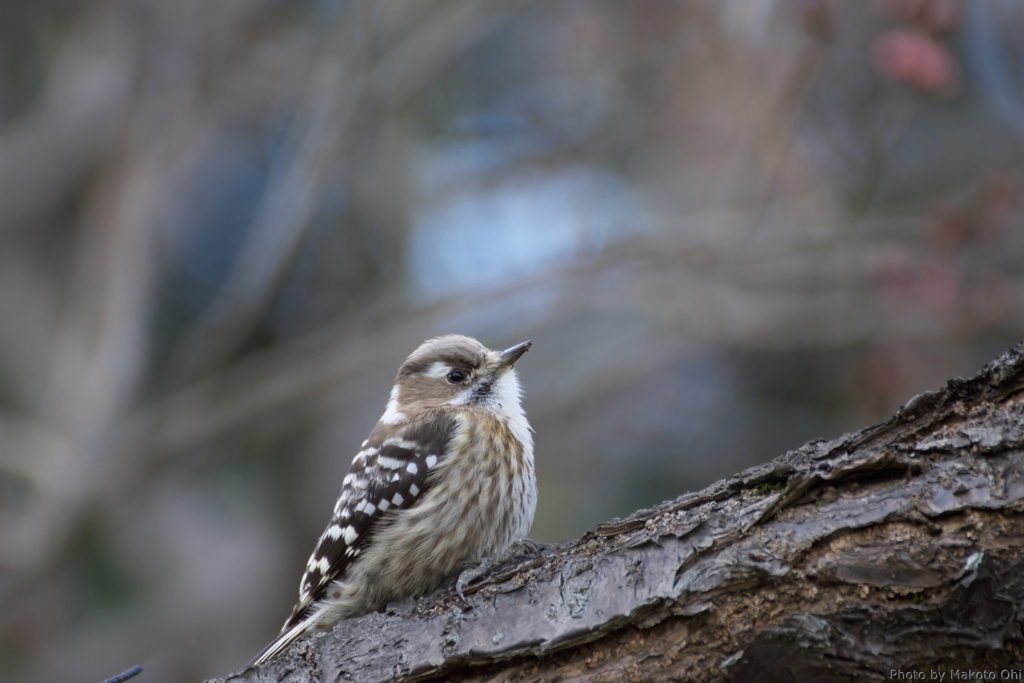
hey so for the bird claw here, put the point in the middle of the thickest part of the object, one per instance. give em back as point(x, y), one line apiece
point(462, 596)
point(525, 546)
point(531, 546)
point(468, 576)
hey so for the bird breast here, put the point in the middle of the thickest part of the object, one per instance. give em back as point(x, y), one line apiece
point(481, 499)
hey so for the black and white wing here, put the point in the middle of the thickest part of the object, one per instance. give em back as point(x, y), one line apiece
point(389, 473)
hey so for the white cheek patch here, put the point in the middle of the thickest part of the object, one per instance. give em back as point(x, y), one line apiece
point(392, 415)
point(437, 370)
point(462, 398)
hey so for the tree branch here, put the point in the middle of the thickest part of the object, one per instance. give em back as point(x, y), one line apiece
point(897, 547)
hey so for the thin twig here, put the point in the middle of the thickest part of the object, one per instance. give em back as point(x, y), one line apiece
point(125, 675)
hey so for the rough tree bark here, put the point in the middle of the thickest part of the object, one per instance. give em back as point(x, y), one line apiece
point(896, 552)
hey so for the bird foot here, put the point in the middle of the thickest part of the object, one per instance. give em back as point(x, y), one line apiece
point(469, 575)
point(518, 549)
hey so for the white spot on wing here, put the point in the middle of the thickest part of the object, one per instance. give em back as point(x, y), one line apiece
point(431, 461)
point(390, 463)
point(350, 535)
point(401, 443)
point(411, 468)
point(361, 455)
point(334, 531)
point(397, 499)
point(370, 508)
point(384, 504)
point(414, 490)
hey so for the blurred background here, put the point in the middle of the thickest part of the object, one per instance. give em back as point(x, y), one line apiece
point(729, 226)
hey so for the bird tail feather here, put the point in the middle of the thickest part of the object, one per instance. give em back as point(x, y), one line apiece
point(283, 640)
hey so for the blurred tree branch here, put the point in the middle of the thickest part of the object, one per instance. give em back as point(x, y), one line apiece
point(86, 429)
point(334, 96)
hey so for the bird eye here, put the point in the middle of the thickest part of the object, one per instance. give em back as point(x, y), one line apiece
point(456, 376)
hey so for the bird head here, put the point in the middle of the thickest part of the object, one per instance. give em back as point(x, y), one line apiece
point(458, 370)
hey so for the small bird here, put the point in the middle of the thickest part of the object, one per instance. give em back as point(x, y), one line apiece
point(445, 481)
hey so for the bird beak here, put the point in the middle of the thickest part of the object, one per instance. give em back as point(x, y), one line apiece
point(509, 356)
